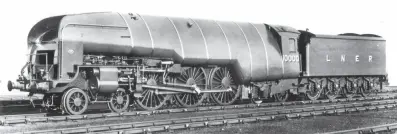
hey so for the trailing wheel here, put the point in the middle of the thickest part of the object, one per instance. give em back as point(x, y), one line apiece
point(313, 91)
point(150, 100)
point(281, 97)
point(119, 101)
point(332, 90)
point(75, 101)
point(221, 79)
point(350, 90)
point(191, 76)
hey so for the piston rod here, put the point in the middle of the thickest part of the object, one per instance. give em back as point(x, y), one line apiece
point(185, 89)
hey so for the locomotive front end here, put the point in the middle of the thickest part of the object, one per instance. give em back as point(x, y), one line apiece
point(41, 68)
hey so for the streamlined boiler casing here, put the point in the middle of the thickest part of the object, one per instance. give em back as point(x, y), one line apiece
point(253, 50)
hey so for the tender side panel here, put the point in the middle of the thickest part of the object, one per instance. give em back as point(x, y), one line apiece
point(344, 56)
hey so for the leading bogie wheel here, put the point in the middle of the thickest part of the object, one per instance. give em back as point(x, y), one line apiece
point(119, 101)
point(75, 101)
point(191, 76)
point(150, 100)
point(221, 79)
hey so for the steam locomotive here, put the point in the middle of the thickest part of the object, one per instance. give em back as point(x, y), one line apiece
point(124, 59)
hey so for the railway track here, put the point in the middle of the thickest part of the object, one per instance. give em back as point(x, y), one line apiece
point(19, 100)
point(25, 100)
point(227, 119)
point(387, 128)
point(43, 118)
point(7, 103)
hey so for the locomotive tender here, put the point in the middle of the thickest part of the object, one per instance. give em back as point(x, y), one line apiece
point(121, 59)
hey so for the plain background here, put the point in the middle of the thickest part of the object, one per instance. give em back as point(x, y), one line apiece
point(321, 17)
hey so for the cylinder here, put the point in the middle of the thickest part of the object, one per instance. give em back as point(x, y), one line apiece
point(104, 81)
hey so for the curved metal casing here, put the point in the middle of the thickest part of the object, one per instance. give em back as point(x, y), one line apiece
point(255, 51)
point(108, 80)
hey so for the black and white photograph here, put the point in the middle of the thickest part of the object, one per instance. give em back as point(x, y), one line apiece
point(198, 66)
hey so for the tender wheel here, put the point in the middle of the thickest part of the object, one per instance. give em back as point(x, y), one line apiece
point(365, 89)
point(281, 97)
point(313, 92)
point(191, 76)
point(332, 91)
point(221, 79)
point(350, 90)
point(75, 101)
point(150, 100)
point(119, 101)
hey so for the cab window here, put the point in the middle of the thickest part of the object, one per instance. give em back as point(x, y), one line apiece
point(292, 45)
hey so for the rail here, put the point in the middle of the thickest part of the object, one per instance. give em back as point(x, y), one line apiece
point(10, 120)
point(219, 120)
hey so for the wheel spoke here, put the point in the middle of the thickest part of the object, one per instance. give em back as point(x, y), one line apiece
point(182, 80)
point(221, 79)
point(145, 94)
point(200, 79)
point(191, 76)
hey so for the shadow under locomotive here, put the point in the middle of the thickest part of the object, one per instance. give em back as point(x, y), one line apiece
point(120, 59)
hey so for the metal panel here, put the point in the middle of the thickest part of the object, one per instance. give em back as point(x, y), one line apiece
point(166, 42)
point(333, 56)
point(100, 19)
point(98, 39)
point(140, 35)
point(71, 55)
point(251, 49)
point(43, 26)
point(217, 44)
point(239, 50)
point(258, 52)
point(273, 52)
point(192, 40)
point(108, 80)
point(290, 55)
